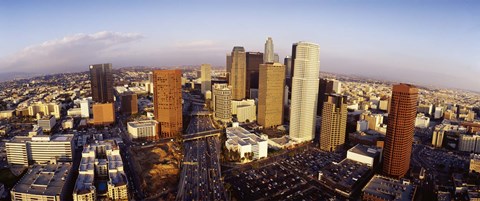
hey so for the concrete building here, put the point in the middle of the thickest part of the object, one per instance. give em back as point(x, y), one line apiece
point(18, 150)
point(222, 102)
point(6, 114)
point(238, 73)
point(306, 68)
point(45, 109)
point(254, 59)
point(206, 77)
point(374, 120)
point(469, 143)
point(68, 123)
point(475, 163)
point(246, 110)
point(47, 123)
point(325, 86)
point(269, 54)
point(425, 109)
point(129, 103)
point(270, 94)
point(400, 129)
point(85, 108)
point(239, 139)
point(44, 182)
point(103, 113)
point(422, 121)
point(334, 123)
point(143, 129)
point(101, 81)
point(383, 104)
point(369, 155)
point(381, 188)
point(101, 165)
point(438, 135)
point(288, 67)
point(438, 113)
point(362, 125)
point(44, 148)
point(168, 102)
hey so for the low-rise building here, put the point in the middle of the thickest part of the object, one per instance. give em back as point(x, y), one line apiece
point(245, 143)
point(381, 188)
point(369, 155)
point(47, 123)
point(422, 121)
point(143, 129)
point(6, 114)
point(44, 182)
point(475, 163)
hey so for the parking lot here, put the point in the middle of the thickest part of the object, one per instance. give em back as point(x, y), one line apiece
point(292, 178)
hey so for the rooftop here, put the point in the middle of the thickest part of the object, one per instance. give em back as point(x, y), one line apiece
point(365, 150)
point(137, 124)
point(390, 189)
point(44, 179)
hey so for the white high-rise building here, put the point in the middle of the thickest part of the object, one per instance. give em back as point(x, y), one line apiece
point(85, 108)
point(206, 77)
point(306, 65)
point(269, 55)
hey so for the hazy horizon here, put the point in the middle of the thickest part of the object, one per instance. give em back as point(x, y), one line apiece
point(425, 42)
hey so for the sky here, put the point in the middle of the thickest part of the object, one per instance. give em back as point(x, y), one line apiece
point(427, 42)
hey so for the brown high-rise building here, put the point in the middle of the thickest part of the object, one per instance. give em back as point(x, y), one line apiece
point(325, 87)
point(254, 59)
point(167, 100)
point(400, 129)
point(238, 72)
point(129, 103)
point(103, 113)
point(334, 122)
point(101, 81)
point(270, 94)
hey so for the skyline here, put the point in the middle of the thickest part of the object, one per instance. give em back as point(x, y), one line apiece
point(420, 42)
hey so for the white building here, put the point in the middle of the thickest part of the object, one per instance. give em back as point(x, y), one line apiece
point(239, 139)
point(438, 113)
point(142, 129)
point(422, 121)
point(362, 125)
point(365, 154)
point(222, 102)
point(469, 143)
point(17, 151)
point(44, 108)
point(47, 123)
point(5, 114)
point(245, 110)
point(425, 108)
point(85, 108)
point(269, 55)
point(306, 64)
point(337, 87)
point(101, 159)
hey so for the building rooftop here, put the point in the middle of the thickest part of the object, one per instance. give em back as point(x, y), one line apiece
point(47, 179)
point(345, 177)
point(365, 150)
point(390, 189)
point(137, 124)
point(237, 135)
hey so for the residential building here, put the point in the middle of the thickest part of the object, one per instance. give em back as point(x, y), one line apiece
point(270, 95)
point(438, 135)
point(334, 122)
point(469, 143)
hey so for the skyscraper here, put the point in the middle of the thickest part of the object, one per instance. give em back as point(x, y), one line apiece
point(229, 66)
point(270, 94)
point(306, 66)
point(238, 72)
point(129, 103)
point(206, 78)
point(269, 55)
point(167, 101)
point(288, 67)
point(334, 122)
point(101, 81)
point(254, 59)
point(401, 125)
point(325, 87)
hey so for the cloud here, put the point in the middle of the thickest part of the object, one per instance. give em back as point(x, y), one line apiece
point(68, 53)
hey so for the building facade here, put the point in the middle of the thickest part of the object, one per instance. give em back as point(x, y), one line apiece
point(206, 77)
point(334, 123)
point(168, 102)
point(238, 73)
point(222, 102)
point(129, 103)
point(254, 59)
point(306, 68)
point(400, 129)
point(101, 81)
point(271, 95)
point(269, 55)
point(143, 129)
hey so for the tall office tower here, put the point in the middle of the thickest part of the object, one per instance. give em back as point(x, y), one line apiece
point(129, 103)
point(325, 87)
point(238, 73)
point(167, 102)
point(288, 67)
point(229, 66)
point(306, 66)
point(222, 102)
point(270, 94)
point(101, 81)
point(254, 59)
point(401, 125)
point(276, 58)
point(206, 77)
point(334, 122)
point(269, 55)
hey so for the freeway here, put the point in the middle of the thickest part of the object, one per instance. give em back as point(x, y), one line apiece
point(200, 178)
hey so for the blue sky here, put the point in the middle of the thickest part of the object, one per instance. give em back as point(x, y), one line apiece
point(433, 42)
